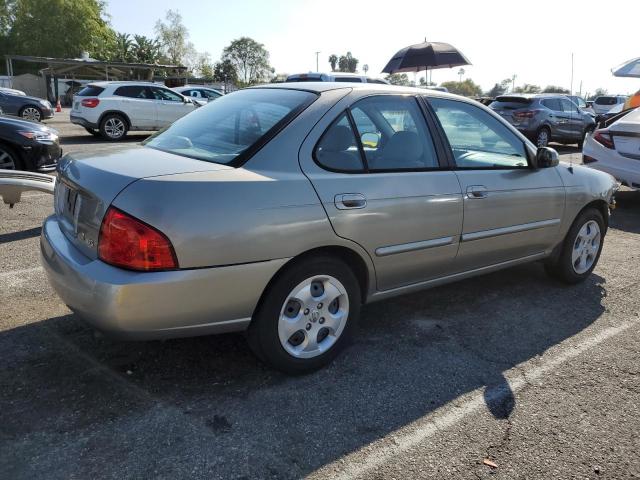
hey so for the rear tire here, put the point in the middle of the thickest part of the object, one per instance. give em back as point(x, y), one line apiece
point(114, 127)
point(31, 112)
point(307, 315)
point(9, 158)
point(543, 137)
point(580, 250)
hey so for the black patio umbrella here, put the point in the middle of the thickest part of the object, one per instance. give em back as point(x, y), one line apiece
point(425, 56)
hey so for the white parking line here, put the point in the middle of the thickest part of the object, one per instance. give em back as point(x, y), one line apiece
point(374, 455)
point(20, 272)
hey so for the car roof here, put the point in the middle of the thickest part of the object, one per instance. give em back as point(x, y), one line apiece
point(320, 87)
point(106, 84)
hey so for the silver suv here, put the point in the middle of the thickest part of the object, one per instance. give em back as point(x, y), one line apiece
point(545, 118)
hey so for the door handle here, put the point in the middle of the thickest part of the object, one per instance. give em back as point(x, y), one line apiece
point(477, 191)
point(347, 201)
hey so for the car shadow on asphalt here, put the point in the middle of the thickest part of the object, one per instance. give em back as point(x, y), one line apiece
point(21, 235)
point(82, 403)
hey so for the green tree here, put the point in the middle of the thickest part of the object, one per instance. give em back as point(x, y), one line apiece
point(225, 71)
point(205, 66)
point(146, 50)
point(333, 61)
point(398, 79)
point(250, 60)
point(499, 88)
point(56, 28)
point(555, 89)
point(347, 63)
point(527, 88)
point(174, 39)
point(467, 87)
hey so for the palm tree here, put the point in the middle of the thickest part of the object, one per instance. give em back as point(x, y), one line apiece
point(146, 50)
point(123, 47)
point(333, 60)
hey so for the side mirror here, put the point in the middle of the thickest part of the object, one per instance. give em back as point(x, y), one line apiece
point(370, 140)
point(546, 157)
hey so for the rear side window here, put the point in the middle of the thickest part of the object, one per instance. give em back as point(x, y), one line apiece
point(477, 139)
point(233, 127)
point(133, 91)
point(338, 148)
point(90, 91)
point(552, 104)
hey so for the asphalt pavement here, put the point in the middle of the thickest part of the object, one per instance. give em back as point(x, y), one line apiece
point(510, 375)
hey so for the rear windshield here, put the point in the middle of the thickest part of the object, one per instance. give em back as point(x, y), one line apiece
point(510, 103)
point(90, 91)
point(605, 101)
point(233, 127)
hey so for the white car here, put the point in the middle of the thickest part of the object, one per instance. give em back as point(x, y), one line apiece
point(114, 108)
point(615, 149)
point(200, 94)
point(604, 103)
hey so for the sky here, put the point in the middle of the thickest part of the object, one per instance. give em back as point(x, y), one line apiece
point(500, 38)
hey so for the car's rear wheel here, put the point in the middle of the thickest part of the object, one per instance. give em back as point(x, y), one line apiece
point(543, 137)
point(93, 131)
point(307, 315)
point(9, 159)
point(581, 248)
point(113, 127)
point(32, 113)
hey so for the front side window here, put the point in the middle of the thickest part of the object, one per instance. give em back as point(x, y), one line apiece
point(229, 129)
point(568, 106)
point(166, 95)
point(552, 104)
point(478, 140)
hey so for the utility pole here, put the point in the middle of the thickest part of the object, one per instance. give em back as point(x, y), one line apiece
point(513, 83)
point(365, 68)
point(317, 61)
point(460, 74)
point(571, 88)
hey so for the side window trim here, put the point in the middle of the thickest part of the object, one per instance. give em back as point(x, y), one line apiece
point(356, 134)
point(440, 140)
point(450, 149)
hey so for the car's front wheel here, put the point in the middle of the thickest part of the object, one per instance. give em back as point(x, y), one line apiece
point(307, 315)
point(31, 113)
point(581, 248)
point(113, 127)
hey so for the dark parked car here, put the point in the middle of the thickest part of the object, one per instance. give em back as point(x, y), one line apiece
point(29, 108)
point(545, 118)
point(28, 146)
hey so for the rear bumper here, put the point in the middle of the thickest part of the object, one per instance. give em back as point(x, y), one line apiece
point(148, 305)
point(83, 122)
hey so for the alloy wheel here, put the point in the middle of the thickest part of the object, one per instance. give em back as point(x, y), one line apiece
point(586, 247)
point(31, 113)
point(313, 316)
point(6, 160)
point(543, 138)
point(114, 127)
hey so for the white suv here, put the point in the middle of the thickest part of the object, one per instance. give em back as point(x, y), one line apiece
point(113, 108)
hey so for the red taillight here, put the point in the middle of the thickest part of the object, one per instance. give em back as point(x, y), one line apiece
point(603, 137)
point(90, 102)
point(128, 243)
point(526, 114)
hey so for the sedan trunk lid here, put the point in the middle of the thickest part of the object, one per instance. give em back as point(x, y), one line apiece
point(88, 184)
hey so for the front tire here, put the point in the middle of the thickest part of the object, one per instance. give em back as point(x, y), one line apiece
point(307, 315)
point(113, 127)
point(581, 248)
point(9, 159)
